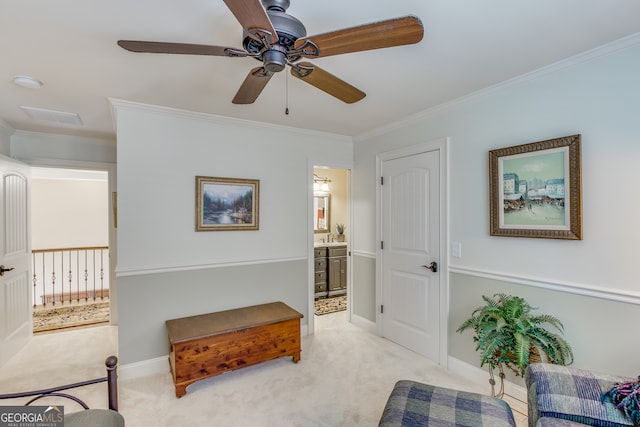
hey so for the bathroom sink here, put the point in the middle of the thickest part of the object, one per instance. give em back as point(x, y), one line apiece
point(320, 244)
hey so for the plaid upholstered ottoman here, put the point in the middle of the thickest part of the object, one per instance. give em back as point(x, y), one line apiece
point(413, 404)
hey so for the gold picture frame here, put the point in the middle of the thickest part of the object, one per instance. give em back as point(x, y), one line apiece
point(535, 190)
point(224, 204)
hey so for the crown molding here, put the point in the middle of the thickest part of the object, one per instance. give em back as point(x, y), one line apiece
point(117, 104)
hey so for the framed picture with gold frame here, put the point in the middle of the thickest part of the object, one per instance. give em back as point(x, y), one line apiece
point(535, 190)
point(227, 203)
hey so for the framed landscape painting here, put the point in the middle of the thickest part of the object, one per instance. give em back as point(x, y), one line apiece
point(535, 190)
point(227, 204)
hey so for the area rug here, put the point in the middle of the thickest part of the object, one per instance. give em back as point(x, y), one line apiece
point(330, 305)
point(70, 315)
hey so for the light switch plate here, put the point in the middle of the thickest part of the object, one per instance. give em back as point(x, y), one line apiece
point(456, 249)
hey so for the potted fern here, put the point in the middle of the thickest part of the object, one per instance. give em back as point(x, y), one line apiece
point(508, 334)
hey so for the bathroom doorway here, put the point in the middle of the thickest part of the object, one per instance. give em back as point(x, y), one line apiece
point(331, 244)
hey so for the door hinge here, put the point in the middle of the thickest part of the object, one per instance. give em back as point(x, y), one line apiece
point(382, 180)
point(381, 309)
point(381, 245)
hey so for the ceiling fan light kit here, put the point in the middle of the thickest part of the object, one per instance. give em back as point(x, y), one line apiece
point(277, 39)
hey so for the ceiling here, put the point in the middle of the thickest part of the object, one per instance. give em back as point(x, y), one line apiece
point(468, 45)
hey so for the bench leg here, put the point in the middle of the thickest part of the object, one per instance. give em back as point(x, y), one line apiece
point(181, 390)
point(296, 357)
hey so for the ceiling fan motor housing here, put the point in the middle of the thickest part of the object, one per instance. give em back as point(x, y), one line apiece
point(281, 5)
point(289, 29)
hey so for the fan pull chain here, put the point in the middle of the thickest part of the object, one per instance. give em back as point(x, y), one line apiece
point(286, 85)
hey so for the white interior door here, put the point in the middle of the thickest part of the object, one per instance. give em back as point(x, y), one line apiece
point(411, 242)
point(15, 290)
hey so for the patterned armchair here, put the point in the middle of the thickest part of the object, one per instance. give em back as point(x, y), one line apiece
point(559, 396)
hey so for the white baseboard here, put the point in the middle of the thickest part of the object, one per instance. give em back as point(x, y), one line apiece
point(481, 377)
point(159, 365)
point(363, 323)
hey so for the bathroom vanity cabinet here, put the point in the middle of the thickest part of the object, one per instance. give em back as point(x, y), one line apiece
point(330, 270)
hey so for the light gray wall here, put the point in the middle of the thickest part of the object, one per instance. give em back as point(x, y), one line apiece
point(596, 95)
point(45, 149)
point(165, 268)
point(591, 324)
point(5, 139)
point(364, 289)
point(146, 301)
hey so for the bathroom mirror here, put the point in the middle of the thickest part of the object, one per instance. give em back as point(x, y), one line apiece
point(321, 212)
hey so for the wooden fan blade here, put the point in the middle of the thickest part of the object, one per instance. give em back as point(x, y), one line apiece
point(327, 82)
point(377, 35)
point(252, 86)
point(178, 48)
point(252, 15)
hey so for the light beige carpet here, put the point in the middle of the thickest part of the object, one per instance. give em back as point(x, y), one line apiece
point(342, 380)
point(70, 315)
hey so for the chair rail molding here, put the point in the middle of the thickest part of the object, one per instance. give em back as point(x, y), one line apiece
point(142, 270)
point(568, 287)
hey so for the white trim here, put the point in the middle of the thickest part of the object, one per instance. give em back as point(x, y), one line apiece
point(480, 376)
point(185, 114)
point(66, 174)
point(139, 271)
point(607, 49)
point(364, 323)
point(617, 295)
point(364, 254)
point(158, 365)
point(442, 146)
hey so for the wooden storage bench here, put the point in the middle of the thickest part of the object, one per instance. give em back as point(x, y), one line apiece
point(211, 344)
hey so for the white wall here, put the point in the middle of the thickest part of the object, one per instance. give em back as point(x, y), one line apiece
point(69, 212)
point(69, 209)
point(596, 95)
point(160, 152)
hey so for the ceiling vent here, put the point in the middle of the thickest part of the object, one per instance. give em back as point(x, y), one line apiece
point(51, 116)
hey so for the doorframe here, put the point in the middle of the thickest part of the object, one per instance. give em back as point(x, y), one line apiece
point(442, 146)
point(348, 166)
point(111, 169)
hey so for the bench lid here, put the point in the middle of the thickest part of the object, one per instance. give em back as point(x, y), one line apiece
point(222, 322)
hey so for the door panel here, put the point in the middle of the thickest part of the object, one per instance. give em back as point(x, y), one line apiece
point(15, 291)
point(410, 230)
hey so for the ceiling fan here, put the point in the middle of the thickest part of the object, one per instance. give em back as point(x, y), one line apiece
point(277, 39)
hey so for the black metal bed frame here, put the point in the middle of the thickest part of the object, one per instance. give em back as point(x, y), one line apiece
point(112, 388)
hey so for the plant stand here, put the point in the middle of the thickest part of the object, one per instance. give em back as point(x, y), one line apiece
point(492, 381)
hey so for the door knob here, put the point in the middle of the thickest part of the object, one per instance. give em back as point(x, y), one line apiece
point(433, 266)
point(2, 270)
